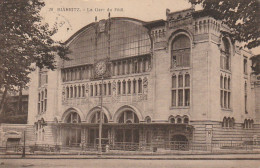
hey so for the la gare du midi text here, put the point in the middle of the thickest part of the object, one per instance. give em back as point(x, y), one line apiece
point(88, 9)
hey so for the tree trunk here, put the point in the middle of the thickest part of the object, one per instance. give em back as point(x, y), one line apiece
point(20, 103)
point(3, 101)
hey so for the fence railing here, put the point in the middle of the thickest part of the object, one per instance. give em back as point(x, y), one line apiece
point(127, 146)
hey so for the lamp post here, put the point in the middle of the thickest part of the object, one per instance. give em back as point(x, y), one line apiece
point(101, 69)
point(101, 118)
point(23, 154)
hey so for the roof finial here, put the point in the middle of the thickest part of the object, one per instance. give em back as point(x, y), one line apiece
point(167, 11)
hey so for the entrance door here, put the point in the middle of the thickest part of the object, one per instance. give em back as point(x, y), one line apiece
point(73, 132)
point(73, 136)
point(94, 135)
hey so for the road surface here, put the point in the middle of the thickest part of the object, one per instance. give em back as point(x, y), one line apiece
point(125, 163)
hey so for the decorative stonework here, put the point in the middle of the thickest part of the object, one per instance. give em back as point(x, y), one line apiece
point(87, 91)
point(145, 86)
point(63, 95)
point(114, 87)
point(114, 97)
point(180, 23)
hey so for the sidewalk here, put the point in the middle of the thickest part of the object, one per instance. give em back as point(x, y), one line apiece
point(140, 157)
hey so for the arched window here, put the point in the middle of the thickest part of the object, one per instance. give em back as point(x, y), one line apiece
point(83, 90)
point(140, 85)
point(230, 123)
point(252, 123)
point(104, 89)
point(224, 122)
point(96, 89)
point(227, 122)
point(109, 88)
point(174, 81)
point(180, 80)
point(71, 92)
point(181, 51)
point(248, 123)
point(124, 86)
point(72, 135)
point(128, 117)
point(79, 91)
point(119, 87)
point(73, 117)
point(96, 118)
point(75, 91)
point(91, 90)
point(129, 86)
point(134, 86)
point(225, 54)
point(130, 134)
point(148, 119)
point(100, 89)
point(233, 122)
point(172, 120)
point(187, 80)
point(179, 120)
point(186, 120)
point(67, 92)
point(245, 123)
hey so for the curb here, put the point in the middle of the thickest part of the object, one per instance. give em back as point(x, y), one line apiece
point(139, 158)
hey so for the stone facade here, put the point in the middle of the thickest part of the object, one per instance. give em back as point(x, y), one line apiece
point(13, 134)
point(153, 110)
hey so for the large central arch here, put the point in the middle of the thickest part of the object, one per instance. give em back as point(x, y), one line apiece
point(97, 109)
point(127, 108)
point(70, 110)
point(126, 117)
point(71, 134)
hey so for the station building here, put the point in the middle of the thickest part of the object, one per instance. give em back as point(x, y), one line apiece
point(179, 79)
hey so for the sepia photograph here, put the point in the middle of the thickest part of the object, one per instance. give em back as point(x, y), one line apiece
point(130, 83)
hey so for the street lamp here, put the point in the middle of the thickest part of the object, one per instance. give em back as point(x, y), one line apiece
point(100, 69)
point(23, 154)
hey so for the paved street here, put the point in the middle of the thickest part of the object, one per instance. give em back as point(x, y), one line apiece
point(124, 163)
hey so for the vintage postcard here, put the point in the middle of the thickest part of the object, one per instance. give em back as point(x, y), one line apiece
point(122, 83)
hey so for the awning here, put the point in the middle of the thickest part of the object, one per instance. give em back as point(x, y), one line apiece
point(128, 125)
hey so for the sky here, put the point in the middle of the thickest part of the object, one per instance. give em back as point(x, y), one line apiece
point(83, 12)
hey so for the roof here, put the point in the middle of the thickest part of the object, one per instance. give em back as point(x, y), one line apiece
point(155, 23)
point(93, 23)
